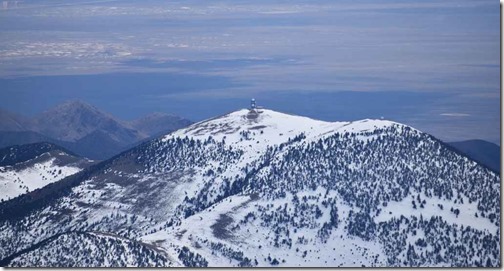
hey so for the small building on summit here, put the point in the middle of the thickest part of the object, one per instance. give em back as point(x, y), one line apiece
point(254, 110)
point(253, 104)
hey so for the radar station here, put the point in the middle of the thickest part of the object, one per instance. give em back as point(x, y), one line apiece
point(254, 110)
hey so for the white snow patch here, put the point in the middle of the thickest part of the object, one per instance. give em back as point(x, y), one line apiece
point(431, 208)
point(14, 183)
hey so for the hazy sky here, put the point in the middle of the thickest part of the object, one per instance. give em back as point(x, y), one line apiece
point(433, 65)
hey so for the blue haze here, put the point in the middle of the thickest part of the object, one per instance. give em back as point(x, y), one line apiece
point(430, 64)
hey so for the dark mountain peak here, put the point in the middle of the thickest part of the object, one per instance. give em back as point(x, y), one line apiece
point(85, 129)
point(75, 119)
point(74, 107)
point(77, 103)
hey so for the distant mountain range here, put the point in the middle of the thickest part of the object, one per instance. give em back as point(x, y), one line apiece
point(84, 129)
point(90, 132)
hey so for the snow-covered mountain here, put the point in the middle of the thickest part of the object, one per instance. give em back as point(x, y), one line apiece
point(270, 189)
point(29, 167)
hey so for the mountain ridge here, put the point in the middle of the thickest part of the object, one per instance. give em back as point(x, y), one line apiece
point(271, 189)
point(27, 168)
point(21, 153)
point(73, 120)
point(75, 124)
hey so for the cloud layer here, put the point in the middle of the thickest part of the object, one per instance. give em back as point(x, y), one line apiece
point(265, 48)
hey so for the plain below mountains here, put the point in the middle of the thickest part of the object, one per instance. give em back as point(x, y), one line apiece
point(84, 129)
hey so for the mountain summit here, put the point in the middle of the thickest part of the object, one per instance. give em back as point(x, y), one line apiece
point(247, 130)
point(263, 188)
point(84, 129)
point(279, 126)
point(74, 120)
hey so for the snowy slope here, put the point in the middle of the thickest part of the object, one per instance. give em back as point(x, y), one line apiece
point(15, 183)
point(273, 189)
point(272, 128)
point(269, 128)
point(255, 133)
point(38, 171)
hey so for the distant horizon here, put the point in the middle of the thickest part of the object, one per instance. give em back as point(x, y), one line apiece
point(373, 140)
point(433, 65)
point(218, 114)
